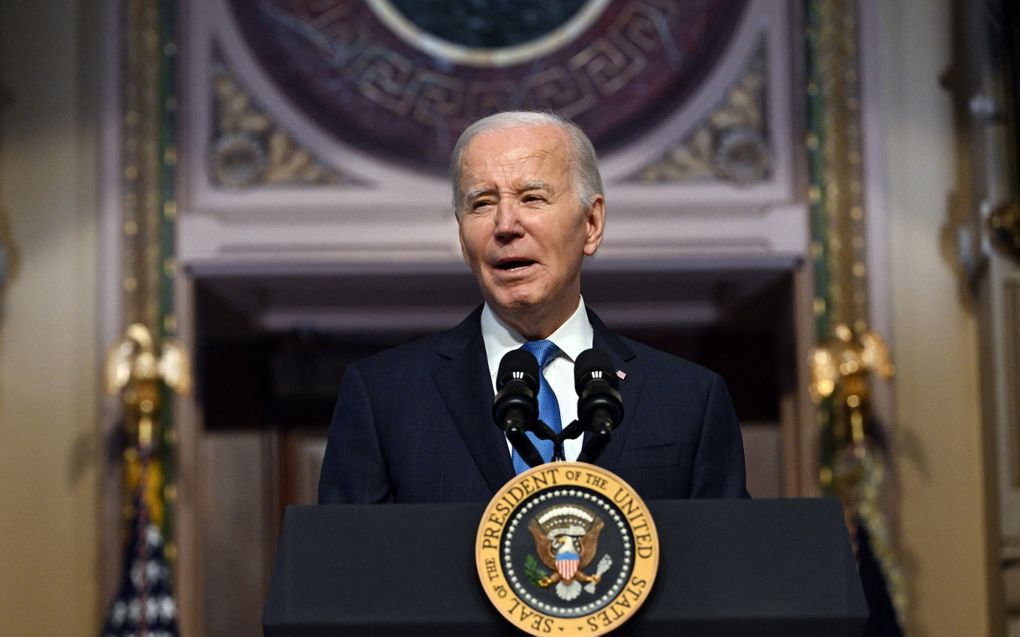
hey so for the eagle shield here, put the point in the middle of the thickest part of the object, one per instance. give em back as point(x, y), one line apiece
point(566, 564)
point(566, 540)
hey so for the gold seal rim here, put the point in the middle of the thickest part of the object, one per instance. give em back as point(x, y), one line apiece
point(501, 593)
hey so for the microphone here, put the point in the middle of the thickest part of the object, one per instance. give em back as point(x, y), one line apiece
point(599, 404)
point(515, 408)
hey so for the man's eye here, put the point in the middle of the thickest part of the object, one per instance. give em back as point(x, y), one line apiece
point(533, 198)
point(482, 203)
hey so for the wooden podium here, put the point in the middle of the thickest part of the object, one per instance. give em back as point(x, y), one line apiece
point(727, 567)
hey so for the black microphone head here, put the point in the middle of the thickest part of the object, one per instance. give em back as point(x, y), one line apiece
point(518, 364)
point(594, 364)
point(515, 407)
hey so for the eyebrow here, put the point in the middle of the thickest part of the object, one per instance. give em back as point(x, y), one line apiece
point(534, 184)
point(474, 193)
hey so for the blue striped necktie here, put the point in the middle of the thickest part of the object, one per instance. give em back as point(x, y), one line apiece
point(548, 406)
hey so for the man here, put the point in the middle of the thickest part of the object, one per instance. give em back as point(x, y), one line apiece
point(414, 424)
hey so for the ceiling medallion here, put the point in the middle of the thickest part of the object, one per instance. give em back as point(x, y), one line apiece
point(401, 79)
point(410, 23)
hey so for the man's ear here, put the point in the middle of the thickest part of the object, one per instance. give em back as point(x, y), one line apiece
point(595, 220)
point(460, 237)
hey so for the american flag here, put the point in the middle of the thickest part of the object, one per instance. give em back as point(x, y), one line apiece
point(566, 564)
point(145, 603)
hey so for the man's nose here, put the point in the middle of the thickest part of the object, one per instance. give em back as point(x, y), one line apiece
point(507, 219)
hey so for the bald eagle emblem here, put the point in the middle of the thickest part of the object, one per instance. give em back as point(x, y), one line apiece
point(566, 539)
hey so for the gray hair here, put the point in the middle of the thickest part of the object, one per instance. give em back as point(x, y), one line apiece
point(584, 163)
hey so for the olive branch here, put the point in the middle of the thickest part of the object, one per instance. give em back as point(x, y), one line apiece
point(532, 570)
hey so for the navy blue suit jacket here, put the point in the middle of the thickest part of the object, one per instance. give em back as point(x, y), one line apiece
point(414, 424)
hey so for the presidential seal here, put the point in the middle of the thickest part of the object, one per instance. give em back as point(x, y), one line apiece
point(567, 548)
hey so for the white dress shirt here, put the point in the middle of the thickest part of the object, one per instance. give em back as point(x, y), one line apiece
point(573, 337)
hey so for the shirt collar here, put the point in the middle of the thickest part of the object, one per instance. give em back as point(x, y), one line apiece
point(573, 337)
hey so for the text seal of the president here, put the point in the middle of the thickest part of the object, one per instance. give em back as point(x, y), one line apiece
point(567, 548)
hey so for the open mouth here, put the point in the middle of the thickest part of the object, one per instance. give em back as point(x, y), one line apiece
point(513, 264)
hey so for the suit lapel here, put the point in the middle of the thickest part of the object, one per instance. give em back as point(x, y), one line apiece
point(630, 387)
point(461, 374)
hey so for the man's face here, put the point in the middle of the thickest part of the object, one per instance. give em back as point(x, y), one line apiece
point(522, 230)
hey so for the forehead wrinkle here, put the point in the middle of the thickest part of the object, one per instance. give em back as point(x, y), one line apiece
point(493, 170)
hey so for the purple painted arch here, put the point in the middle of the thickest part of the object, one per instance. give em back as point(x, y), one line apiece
point(374, 77)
